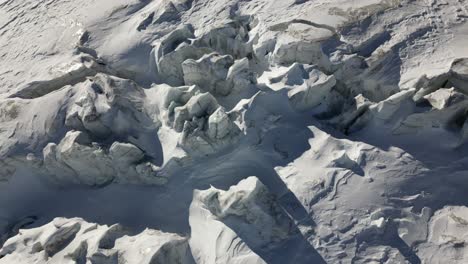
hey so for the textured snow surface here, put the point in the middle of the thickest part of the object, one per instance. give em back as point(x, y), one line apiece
point(229, 131)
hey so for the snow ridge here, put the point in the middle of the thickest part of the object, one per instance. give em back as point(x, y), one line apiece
point(224, 131)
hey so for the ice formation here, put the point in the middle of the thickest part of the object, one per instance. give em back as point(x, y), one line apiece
point(226, 131)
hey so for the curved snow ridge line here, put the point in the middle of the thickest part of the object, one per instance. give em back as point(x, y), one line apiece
point(40, 88)
point(77, 74)
point(284, 25)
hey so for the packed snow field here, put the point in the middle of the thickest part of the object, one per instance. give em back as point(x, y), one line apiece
point(233, 131)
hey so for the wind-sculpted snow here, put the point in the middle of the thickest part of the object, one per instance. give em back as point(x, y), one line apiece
point(224, 131)
point(77, 241)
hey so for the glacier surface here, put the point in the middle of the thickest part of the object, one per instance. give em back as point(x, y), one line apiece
point(236, 132)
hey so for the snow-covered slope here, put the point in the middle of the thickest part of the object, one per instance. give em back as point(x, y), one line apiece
point(228, 131)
